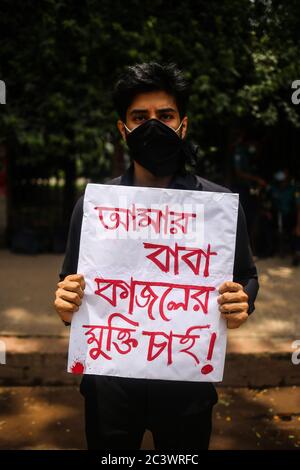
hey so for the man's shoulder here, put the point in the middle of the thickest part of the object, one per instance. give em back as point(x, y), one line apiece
point(78, 208)
point(116, 180)
point(210, 186)
point(79, 203)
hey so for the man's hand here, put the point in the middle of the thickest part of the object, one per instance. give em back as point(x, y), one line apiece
point(68, 296)
point(233, 304)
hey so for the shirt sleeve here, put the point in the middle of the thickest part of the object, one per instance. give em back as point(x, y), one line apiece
point(72, 250)
point(244, 271)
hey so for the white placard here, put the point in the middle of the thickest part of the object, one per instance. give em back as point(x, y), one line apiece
point(153, 259)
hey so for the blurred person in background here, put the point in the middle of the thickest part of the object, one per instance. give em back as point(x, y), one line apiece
point(285, 197)
point(246, 180)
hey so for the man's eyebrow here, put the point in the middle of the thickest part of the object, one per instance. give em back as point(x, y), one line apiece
point(145, 111)
point(167, 110)
point(135, 111)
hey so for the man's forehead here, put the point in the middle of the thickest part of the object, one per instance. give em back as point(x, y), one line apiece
point(154, 100)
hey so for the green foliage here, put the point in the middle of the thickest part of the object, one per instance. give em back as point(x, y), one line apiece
point(59, 60)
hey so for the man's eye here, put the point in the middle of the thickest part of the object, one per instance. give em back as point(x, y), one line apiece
point(166, 117)
point(139, 118)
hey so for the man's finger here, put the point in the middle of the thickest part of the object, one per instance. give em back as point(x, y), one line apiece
point(65, 309)
point(228, 297)
point(234, 307)
point(71, 286)
point(72, 297)
point(230, 286)
point(64, 306)
point(77, 278)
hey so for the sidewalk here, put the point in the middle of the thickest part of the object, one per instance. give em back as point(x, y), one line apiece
point(258, 353)
point(40, 405)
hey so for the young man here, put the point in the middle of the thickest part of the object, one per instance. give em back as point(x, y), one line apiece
point(151, 101)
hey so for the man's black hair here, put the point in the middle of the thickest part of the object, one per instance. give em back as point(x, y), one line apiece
point(151, 76)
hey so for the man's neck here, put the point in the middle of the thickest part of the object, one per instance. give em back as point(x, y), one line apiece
point(143, 177)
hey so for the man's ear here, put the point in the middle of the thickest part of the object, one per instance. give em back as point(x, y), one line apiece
point(184, 127)
point(121, 128)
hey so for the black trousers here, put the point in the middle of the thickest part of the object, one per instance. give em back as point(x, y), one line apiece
point(119, 410)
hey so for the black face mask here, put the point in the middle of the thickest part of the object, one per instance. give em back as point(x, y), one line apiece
point(157, 147)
